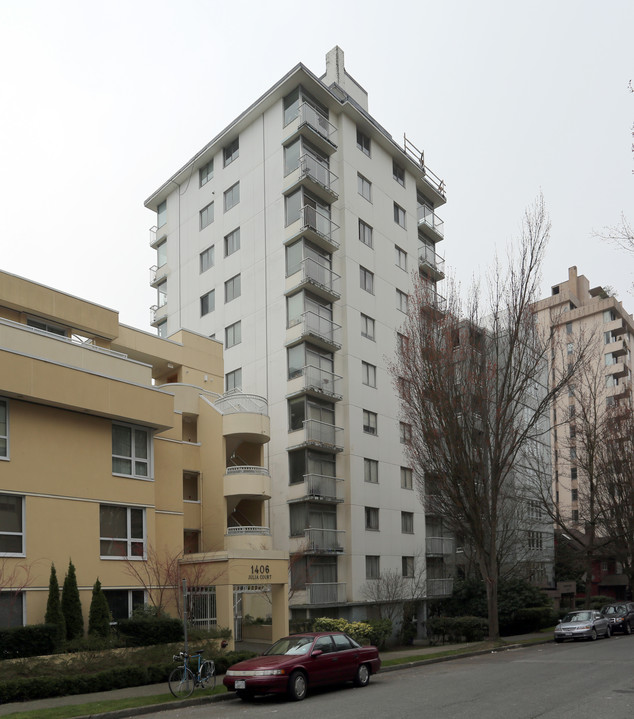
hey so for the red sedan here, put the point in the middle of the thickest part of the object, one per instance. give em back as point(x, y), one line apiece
point(296, 663)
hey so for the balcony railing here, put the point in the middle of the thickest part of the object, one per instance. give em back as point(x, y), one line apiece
point(247, 469)
point(435, 301)
point(318, 274)
point(313, 118)
point(318, 326)
point(158, 312)
point(317, 171)
point(318, 485)
point(326, 592)
point(235, 402)
point(249, 529)
point(439, 587)
point(321, 380)
point(439, 546)
point(319, 222)
point(153, 231)
point(324, 540)
point(426, 216)
point(157, 274)
point(320, 432)
point(427, 256)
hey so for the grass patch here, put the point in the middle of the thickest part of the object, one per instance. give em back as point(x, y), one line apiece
point(90, 708)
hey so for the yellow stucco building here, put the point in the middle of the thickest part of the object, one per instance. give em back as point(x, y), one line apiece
point(118, 450)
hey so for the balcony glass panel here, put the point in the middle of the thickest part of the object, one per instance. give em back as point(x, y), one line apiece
point(428, 217)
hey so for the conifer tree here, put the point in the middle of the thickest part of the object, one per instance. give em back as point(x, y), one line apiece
point(54, 614)
point(71, 605)
point(99, 616)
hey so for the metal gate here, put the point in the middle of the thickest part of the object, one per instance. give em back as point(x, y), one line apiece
point(237, 614)
point(201, 606)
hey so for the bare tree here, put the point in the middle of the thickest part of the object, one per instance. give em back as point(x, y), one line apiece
point(472, 380)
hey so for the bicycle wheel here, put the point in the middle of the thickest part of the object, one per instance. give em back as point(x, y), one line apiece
point(181, 682)
point(208, 674)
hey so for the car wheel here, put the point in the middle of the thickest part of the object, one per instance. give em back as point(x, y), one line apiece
point(362, 677)
point(593, 635)
point(297, 686)
point(628, 628)
point(608, 632)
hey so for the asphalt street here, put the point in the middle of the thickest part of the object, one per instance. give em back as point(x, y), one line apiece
point(586, 680)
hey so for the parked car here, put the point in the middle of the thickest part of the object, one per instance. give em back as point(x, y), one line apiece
point(621, 616)
point(295, 664)
point(584, 624)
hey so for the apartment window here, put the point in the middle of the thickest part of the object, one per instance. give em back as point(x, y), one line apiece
point(232, 288)
point(11, 525)
point(233, 334)
point(368, 374)
point(161, 214)
point(47, 327)
point(304, 463)
point(408, 566)
point(161, 253)
point(401, 258)
point(232, 196)
point(401, 301)
point(609, 315)
point(398, 173)
point(11, 609)
point(366, 280)
point(4, 429)
point(534, 509)
point(121, 532)
point(231, 152)
point(535, 540)
point(363, 142)
point(161, 330)
point(161, 291)
point(372, 566)
point(369, 422)
point(190, 487)
point(122, 602)
point(208, 303)
point(372, 518)
point(406, 478)
point(364, 187)
point(367, 327)
point(205, 173)
point(402, 342)
point(405, 432)
point(131, 448)
point(371, 470)
point(302, 409)
point(568, 328)
point(365, 233)
point(573, 473)
point(574, 494)
point(207, 259)
point(233, 380)
point(207, 215)
point(399, 215)
point(407, 522)
point(575, 515)
point(232, 242)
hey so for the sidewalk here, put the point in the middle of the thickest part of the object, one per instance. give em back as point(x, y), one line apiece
point(153, 690)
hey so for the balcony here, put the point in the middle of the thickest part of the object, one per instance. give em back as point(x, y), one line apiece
point(615, 327)
point(433, 504)
point(315, 176)
point(157, 314)
point(323, 541)
point(617, 347)
point(432, 264)
point(247, 482)
point(316, 226)
point(317, 434)
point(318, 278)
point(320, 487)
point(434, 302)
point(430, 224)
point(315, 380)
point(620, 390)
point(157, 235)
point(248, 537)
point(157, 274)
point(439, 587)
point(321, 331)
point(439, 546)
point(617, 369)
point(315, 127)
point(245, 417)
point(326, 593)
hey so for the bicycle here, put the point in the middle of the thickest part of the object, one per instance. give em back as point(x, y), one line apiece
point(182, 680)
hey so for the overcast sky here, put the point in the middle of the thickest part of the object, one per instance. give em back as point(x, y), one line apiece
point(102, 102)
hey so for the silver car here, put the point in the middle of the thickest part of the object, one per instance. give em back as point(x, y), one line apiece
point(583, 624)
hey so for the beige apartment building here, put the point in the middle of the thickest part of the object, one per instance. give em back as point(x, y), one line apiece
point(119, 450)
point(580, 314)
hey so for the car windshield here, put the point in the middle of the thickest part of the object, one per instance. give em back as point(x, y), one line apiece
point(619, 609)
point(291, 645)
point(578, 617)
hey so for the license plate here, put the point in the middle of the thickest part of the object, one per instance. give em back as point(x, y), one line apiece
point(240, 684)
point(568, 634)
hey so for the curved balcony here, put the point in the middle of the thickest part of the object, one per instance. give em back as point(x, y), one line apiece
point(248, 537)
point(247, 482)
point(245, 417)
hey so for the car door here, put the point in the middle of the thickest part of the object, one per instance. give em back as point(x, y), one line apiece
point(322, 669)
point(347, 657)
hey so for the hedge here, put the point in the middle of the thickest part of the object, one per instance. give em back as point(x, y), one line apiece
point(458, 629)
point(29, 641)
point(145, 632)
point(375, 631)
